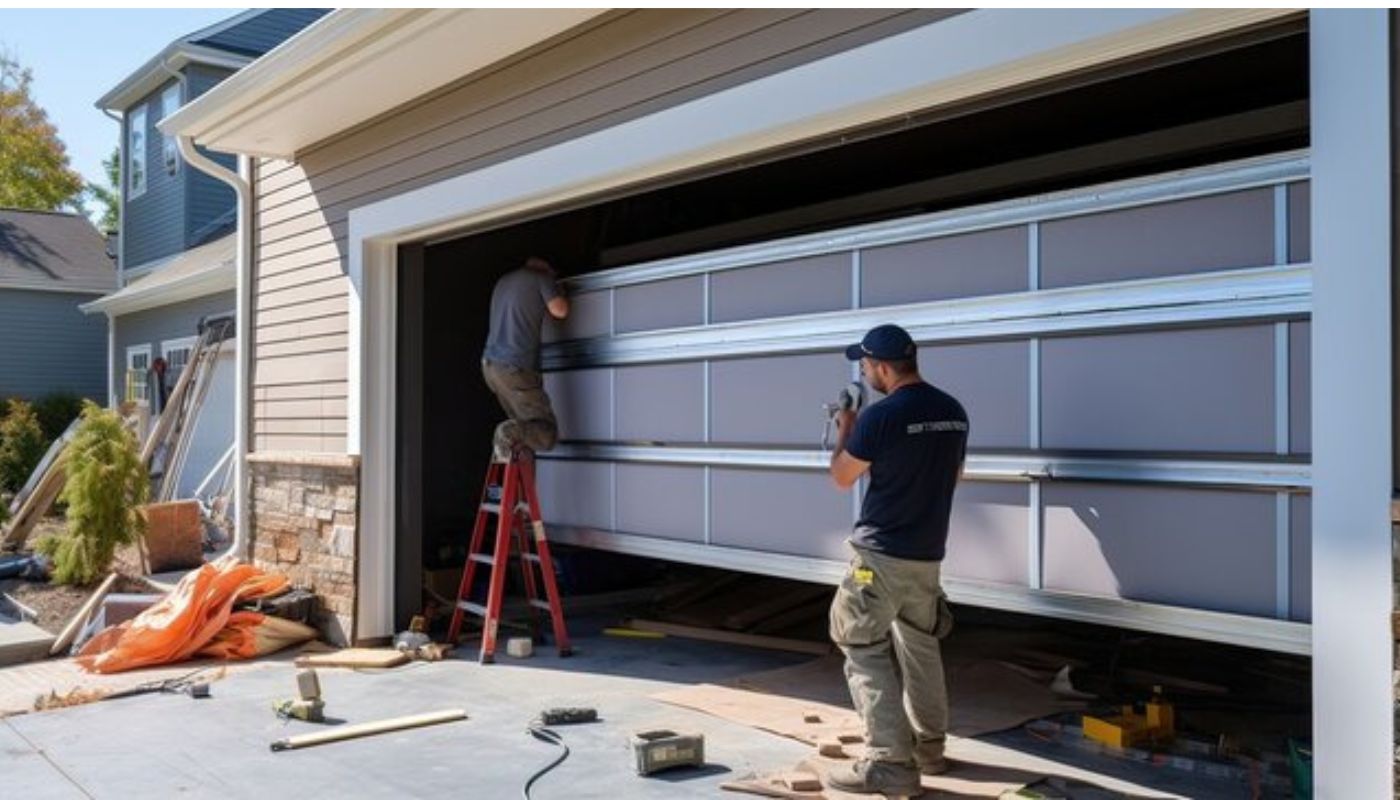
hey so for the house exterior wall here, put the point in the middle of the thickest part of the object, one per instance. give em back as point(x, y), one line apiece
point(48, 345)
point(153, 223)
point(210, 203)
point(626, 65)
point(156, 325)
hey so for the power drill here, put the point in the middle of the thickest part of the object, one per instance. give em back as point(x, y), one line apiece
point(850, 398)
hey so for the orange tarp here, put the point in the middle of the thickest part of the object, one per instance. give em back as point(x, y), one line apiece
point(197, 619)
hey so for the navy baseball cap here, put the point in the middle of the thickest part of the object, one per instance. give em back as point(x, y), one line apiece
point(883, 343)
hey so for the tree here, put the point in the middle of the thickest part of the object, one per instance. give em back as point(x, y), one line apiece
point(110, 195)
point(106, 483)
point(34, 169)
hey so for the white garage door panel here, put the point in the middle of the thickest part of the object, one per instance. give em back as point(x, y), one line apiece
point(774, 400)
point(804, 286)
point(1195, 390)
point(576, 493)
point(1198, 235)
point(992, 381)
point(582, 401)
point(661, 501)
point(798, 513)
point(661, 403)
point(675, 303)
point(988, 532)
point(1199, 548)
point(989, 262)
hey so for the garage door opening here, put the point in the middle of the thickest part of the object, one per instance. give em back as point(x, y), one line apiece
point(1239, 100)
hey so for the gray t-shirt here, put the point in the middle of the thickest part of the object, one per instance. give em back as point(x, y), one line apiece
point(517, 310)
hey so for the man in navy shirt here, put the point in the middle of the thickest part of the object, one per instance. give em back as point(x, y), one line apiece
point(889, 612)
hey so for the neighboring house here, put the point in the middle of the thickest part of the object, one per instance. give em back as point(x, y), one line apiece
point(176, 247)
point(50, 264)
point(1101, 226)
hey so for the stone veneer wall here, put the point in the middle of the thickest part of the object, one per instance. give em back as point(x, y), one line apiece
point(305, 515)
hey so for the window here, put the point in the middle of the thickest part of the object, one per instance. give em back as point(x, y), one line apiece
point(138, 371)
point(176, 353)
point(169, 104)
point(136, 154)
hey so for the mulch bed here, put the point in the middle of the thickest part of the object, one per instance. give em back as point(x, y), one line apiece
point(56, 604)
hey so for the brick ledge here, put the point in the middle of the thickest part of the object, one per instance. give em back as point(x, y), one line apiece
point(301, 459)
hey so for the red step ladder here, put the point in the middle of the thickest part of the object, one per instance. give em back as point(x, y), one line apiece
point(518, 522)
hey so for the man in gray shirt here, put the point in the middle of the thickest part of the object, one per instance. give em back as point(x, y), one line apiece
point(511, 362)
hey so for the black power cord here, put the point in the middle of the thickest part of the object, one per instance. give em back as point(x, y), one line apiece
point(538, 729)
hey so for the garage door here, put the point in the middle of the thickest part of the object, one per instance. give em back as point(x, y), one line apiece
point(1133, 357)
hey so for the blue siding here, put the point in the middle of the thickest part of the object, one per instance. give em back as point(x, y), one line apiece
point(209, 202)
point(48, 345)
point(156, 325)
point(155, 221)
point(264, 31)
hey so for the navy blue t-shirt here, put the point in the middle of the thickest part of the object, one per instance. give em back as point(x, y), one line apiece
point(915, 441)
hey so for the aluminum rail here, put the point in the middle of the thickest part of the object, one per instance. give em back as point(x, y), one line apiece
point(1237, 629)
point(1262, 293)
point(1271, 476)
point(1234, 176)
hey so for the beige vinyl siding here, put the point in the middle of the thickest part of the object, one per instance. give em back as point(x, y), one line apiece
point(623, 66)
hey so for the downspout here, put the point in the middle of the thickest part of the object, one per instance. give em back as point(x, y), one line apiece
point(243, 336)
point(121, 257)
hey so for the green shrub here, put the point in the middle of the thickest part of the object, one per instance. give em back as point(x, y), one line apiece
point(106, 483)
point(22, 444)
point(55, 411)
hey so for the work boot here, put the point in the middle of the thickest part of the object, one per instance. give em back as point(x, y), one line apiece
point(876, 777)
point(933, 765)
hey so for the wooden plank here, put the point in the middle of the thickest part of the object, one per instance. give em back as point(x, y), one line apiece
point(356, 658)
point(38, 503)
point(40, 469)
point(76, 623)
point(731, 637)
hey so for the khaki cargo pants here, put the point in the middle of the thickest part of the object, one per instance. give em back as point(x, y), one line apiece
point(522, 396)
point(888, 616)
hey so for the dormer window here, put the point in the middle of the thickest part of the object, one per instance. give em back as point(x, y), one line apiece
point(169, 104)
point(136, 154)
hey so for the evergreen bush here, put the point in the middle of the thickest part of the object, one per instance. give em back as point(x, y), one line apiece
point(106, 484)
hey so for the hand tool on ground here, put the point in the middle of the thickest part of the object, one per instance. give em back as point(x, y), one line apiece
point(850, 398)
point(344, 732)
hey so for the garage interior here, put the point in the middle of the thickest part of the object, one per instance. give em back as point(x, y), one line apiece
point(1233, 99)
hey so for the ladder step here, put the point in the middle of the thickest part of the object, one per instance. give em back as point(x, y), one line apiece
point(483, 558)
point(491, 508)
point(542, 604)
point(472, 608)
point(530, 557)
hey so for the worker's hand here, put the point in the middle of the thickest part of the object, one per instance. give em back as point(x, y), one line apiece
point(844, 419)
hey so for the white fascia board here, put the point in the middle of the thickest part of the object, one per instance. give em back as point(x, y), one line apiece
point(214, 279)
point(149, 76)
point(353, 65)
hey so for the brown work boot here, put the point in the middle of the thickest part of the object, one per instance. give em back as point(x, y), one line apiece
point(876, 777)
point(932, 765)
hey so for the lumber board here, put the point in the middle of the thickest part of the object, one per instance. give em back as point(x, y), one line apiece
point(70, 631)
point(356, 658)
point(344, 732)
point(731, 637)
point(38, 503)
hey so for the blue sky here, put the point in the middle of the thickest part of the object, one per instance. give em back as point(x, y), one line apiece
point(76, 55)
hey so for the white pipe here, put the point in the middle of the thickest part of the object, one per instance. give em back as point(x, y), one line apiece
point(242, 332)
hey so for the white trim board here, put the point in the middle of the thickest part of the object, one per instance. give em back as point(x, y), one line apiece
point(978, 52)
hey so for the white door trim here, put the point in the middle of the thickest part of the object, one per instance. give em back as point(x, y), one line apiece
point(1351, 407)
point(953, 59)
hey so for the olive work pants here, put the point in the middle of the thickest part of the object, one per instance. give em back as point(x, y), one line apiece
point(888, 617)
point(521, 395)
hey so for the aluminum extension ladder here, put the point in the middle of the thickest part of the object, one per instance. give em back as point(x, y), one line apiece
point(509, 495)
